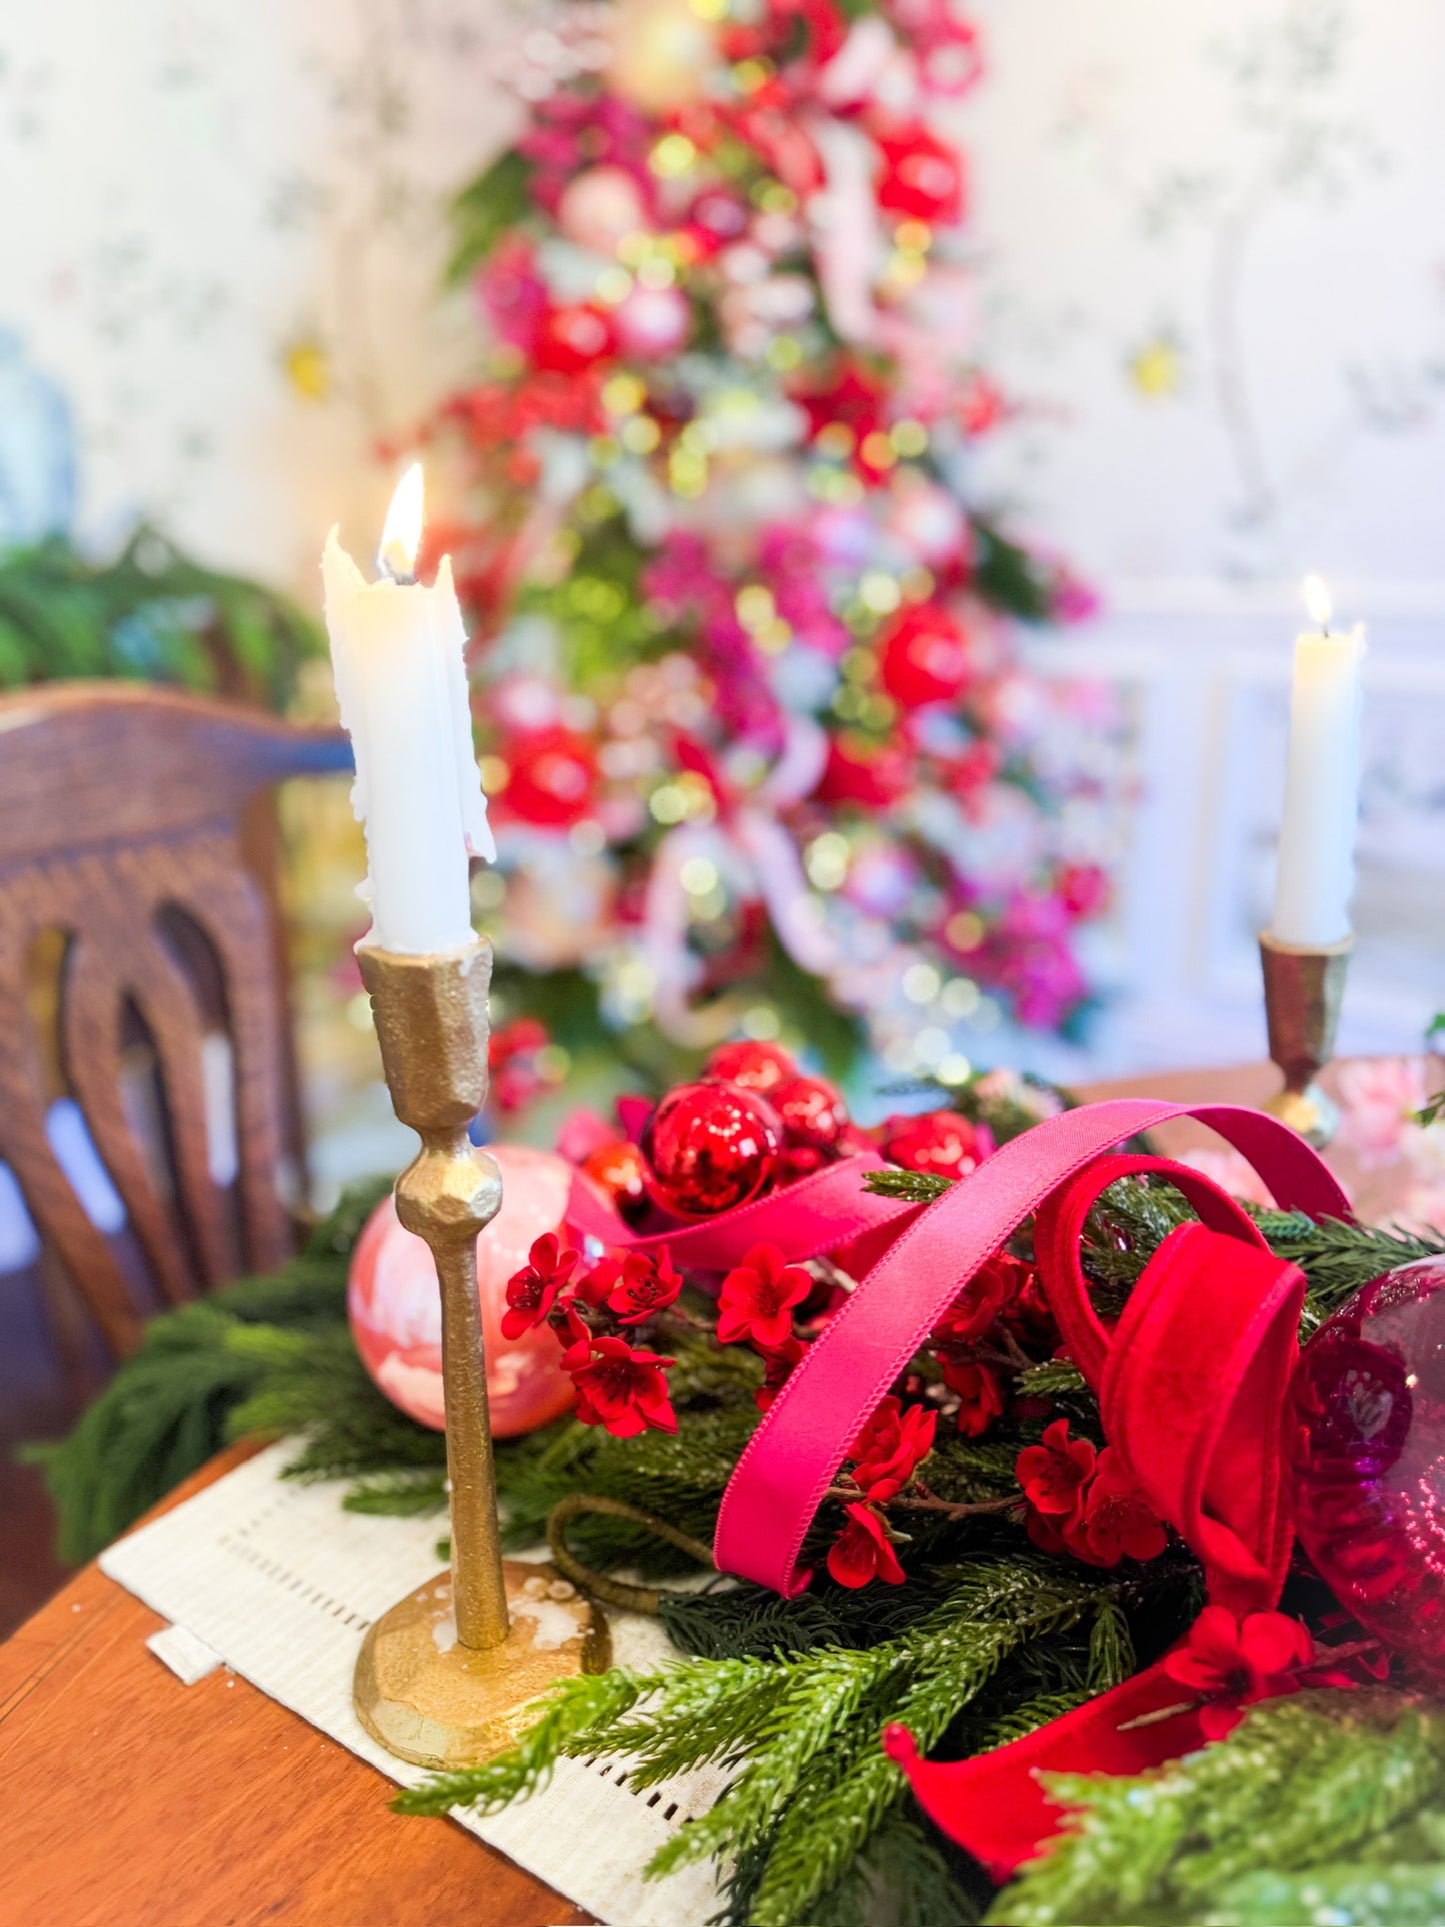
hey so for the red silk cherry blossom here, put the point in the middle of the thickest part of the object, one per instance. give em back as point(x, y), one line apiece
point(758, 1298)
point(620, 1389)
point(862, 1552)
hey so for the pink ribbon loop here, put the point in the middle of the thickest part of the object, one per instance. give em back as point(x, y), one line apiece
point(791, 1459)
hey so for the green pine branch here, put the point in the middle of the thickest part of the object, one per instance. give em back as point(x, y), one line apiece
point(1312, 1781)
point(1397, 1895)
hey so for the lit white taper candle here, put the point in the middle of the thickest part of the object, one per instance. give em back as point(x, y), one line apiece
point(396, 653)
point(1322, 783)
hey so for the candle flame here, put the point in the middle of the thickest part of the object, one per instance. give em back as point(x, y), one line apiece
point(401, 533)
point(1318, 601)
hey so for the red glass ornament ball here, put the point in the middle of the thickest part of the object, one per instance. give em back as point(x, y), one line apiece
point(709, 1147)
point(619, 1170)
point(942, 1142)
point(926, 658)
point(1369, 1459)
point(757, 1067)
point(811, 1110)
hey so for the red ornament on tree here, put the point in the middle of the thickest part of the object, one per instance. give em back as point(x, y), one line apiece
point(553, 778)
point(942, 1142)
point(710, 1147)
point(571, 339)
point(1369, 1459)
point(922, 178)
point(925, 657)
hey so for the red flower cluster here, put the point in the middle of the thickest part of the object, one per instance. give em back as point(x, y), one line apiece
point(886, 1454)
point(618, 1387)
point(1085, 1502)
point(863, 1551)
point(891, 1447)
point(534, 1291)
point(1005, 1291)
point(757, 1300)
point(623, 1389)
point(1236, 1662)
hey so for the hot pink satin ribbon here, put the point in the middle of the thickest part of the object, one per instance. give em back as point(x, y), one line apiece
point(820, 1213)
point(791, 1459)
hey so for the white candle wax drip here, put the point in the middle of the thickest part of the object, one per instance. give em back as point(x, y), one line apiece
point(397, 656)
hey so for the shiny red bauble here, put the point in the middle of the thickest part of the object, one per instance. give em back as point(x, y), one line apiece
point(944, 1143)
point(926, 657)
point(395, 1307)
point(619, 1170)
point(1368, 1457)
point(709, 1147)
point(811, 1111)
point(757, 1067)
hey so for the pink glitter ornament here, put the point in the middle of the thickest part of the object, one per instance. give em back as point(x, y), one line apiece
point(395, 1309)
point(1369, 1459)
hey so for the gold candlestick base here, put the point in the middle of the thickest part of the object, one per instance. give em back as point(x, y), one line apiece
point(446, 1677)
point(430, 1700)
point(1303, 991)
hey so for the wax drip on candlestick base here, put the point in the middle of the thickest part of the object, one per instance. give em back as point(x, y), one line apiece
point(1303, 991)
point(446, 1677)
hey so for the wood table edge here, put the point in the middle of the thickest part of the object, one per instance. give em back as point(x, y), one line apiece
point(59, 1628)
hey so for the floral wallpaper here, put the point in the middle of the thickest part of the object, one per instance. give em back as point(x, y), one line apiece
point(1216, 266)
point(221, 274)
point(1212, 262)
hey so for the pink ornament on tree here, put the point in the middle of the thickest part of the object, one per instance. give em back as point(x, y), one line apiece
point(601, 207)
point(652, 323)
point(395, 1309)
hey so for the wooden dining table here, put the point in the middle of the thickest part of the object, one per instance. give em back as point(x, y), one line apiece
point(127, 1797)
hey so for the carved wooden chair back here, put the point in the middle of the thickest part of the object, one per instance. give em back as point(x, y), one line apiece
point(143, 986)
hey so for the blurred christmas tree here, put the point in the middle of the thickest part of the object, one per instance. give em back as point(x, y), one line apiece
point(761, 758)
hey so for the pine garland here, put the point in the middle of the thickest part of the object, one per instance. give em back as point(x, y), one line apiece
point(1229, 1833)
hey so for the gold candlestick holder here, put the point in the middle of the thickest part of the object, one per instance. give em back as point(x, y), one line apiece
point(445, 1677)
point(1303, 990)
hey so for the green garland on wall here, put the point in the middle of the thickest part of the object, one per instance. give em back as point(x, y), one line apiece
point(150, 615)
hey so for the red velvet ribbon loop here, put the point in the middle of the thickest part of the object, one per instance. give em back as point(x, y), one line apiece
point(1059, 1228)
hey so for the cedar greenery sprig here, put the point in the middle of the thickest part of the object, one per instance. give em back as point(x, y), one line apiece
point(813, 1789)
point(1226, 1833)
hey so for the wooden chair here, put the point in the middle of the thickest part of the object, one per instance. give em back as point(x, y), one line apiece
point(143, 977)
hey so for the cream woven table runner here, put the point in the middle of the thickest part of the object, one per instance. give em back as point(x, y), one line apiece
point(283, 1583)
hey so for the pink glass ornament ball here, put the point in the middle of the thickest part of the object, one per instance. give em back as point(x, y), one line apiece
point(1369, 1459)
point(395, 1307)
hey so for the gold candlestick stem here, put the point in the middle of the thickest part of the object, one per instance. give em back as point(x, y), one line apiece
point(445, 1677)
point(1303, 991)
